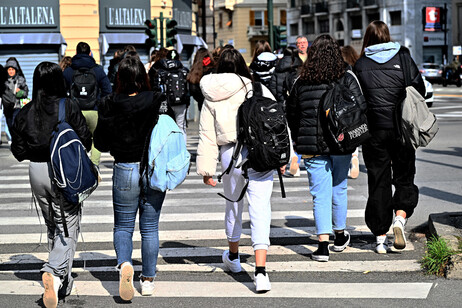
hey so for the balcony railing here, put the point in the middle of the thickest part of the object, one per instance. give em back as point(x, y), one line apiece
point(322, 7)
point(256, 31)
point(353, 4)
point(306, 9)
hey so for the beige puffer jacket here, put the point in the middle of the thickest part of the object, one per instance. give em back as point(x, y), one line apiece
point(223, 93)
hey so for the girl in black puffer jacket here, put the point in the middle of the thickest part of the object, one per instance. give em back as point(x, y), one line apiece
point(388, 162)
point(327, 171)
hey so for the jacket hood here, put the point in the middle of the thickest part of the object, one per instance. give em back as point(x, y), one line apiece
point(285, 64)
point(168, 64)
point(382, 53)
point(13, 64)
point(218, 87)
point(82, 60)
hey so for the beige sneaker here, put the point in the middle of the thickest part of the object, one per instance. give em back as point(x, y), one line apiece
point(354, 170)
point(398, 229)
point(126, 288)
point(51, 284)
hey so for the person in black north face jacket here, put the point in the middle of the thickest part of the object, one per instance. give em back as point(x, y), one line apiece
point(388, 162)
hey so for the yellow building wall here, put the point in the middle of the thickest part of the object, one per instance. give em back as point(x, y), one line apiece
point(79, 21)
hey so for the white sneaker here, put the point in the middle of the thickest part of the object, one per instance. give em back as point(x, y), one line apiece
point(51, 283)
point(381, 245)
point(126, 287)
point(398, 229)
point(233, 266)
point(262, 283)
point(147, 287)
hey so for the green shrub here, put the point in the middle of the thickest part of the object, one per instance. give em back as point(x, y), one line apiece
point(436, 257)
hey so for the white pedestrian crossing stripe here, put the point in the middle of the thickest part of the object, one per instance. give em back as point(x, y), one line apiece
point(284, 256)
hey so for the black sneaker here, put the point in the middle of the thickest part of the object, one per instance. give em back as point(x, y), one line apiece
point(322, 253)
point(342, 240)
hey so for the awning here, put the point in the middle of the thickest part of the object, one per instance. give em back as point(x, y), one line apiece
point(184, 39)
point(33, 38)
point(106, 39)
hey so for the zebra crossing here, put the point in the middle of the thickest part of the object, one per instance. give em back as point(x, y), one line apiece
point(192, 241)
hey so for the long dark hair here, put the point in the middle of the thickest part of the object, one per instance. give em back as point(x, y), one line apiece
point(291, 52)
point(48, 81)
point(324, 61)
point(132, 77)
point(260, 47)
point(231, 61)
point(376, 33)
point(349, 55)
point(203, 62)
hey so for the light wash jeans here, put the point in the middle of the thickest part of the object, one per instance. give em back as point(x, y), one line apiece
point(327, 176)
point(127, 200)
point(258, 195)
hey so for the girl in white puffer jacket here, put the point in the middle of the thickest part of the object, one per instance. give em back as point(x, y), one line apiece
point(224, 92)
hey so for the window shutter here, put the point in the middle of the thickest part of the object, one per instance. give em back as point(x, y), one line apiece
point(252, 18)
point(283, 20)
point(266, 18)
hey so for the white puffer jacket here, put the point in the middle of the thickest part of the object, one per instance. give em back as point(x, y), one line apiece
point(223, 93)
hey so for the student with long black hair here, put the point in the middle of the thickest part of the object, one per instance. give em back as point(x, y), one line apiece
point(125, 119)
point(31, 135)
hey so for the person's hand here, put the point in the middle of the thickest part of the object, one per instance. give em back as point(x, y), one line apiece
point(208, 180)
point(17, 90)
point(283, 169)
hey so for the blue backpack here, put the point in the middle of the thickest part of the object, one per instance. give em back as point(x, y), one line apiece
point(168, 158)
point(73, 172)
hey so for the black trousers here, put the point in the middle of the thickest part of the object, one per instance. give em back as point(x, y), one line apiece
point(388, 163)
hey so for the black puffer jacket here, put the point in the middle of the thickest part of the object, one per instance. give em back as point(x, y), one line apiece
point(124, 122)
point(280, 81)
point(302, 114)
point(383, 86)
point(32, 140)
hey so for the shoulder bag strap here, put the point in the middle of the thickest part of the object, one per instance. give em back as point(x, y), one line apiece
point(405, 68)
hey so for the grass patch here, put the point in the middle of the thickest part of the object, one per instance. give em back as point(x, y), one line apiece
point(437, 256)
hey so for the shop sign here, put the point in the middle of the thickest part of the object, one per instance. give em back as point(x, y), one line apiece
point(19, 15)
point(433, 19)
point(433, 39)
point(117, 16)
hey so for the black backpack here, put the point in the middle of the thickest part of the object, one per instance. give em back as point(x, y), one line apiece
point(343, 122)
point(262, 127)
point(176, 86)
point(84, 88)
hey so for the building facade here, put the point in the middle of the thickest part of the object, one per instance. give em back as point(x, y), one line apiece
point(347, 20)
point(47, 30)
point(242, 23)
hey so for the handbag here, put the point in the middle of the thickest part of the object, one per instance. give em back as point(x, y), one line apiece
point(417, 125)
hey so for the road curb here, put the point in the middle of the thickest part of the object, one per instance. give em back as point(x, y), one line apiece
point(449, 227)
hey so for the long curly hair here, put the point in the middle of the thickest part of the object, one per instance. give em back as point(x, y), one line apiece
point(324, 62)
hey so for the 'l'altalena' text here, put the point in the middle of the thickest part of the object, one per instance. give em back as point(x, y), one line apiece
point(26, 15)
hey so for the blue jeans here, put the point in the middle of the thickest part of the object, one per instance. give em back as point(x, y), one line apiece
point(327, 176)
point(126, 198)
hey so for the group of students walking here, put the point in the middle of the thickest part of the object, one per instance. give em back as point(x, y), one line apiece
point(220, 83)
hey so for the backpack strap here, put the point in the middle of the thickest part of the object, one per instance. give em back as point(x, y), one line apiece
point(62, 110)
point(246, 177)
point(257, 89)
point(405, 68)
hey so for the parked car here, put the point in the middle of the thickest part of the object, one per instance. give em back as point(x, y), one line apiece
point(428, 92)
point(432, 71)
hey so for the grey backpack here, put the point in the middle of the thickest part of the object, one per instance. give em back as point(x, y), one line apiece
point(418, 124)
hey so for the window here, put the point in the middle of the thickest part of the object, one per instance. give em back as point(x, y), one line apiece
point(308, 27)
point(220, 20)
point(372, 17)
point(294, 29)
point(258, 18)
point(283, 18)
point(395, 18)
point(356, 22)
point(324, 26)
